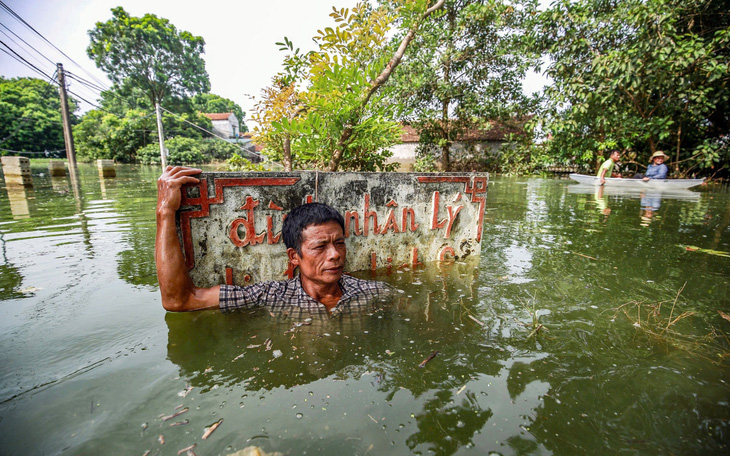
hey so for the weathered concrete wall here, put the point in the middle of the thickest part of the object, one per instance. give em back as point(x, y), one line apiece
point(16, 171)
point(230, 224)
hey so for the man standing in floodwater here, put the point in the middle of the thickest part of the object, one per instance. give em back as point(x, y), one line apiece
point(314, 237)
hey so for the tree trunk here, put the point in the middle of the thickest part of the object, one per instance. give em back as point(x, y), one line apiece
point(379, 81)
point(679, 142)
point(446, 128)
point(287, 154)
point(445, 124)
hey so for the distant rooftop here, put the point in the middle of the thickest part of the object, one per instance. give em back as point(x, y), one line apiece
point(497, 132)
point(217, 115)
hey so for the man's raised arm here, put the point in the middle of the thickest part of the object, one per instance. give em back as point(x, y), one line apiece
point(177, 289)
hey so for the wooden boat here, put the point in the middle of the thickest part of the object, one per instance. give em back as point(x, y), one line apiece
point(668, 184)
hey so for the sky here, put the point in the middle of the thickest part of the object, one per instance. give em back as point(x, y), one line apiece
point(240, 54)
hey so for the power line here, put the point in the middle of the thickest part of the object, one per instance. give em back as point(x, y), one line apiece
point(16, 16)
point(84, 99)
point(33, 152)
point(22, 48)
point(27, 44)
point(196, 126)
point(25, 120)
point(22, 60)
point(85, 82)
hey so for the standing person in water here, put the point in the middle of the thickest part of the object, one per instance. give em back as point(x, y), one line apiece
point(314, 237)
point(656, 169)
point(606, 169)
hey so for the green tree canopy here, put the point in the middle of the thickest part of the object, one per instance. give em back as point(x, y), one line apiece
point(104, 134)
point(464, 68)
point(338, 120)
point(150, 54)
point(639, 74)
point(30, 115)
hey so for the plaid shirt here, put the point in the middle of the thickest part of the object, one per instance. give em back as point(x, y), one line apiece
point(288, 296)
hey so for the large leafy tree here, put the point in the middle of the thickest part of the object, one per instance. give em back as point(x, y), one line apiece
point(149, 54)
point(639, 74)
point(464, 69)
point(325, 110)
point(30, 116)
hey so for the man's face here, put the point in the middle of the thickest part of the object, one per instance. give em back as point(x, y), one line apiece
point(323, 254)
point(616, 156)
point(658, 160)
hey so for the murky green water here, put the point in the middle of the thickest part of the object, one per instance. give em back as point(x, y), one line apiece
point(90, 363)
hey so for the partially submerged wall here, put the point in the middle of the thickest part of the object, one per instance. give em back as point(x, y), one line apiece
point(230, 224)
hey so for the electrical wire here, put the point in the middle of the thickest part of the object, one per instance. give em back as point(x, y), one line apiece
point(19, 46)
point(33, 152)
point(85, 82)
point(22, 60)
point(28, 44)
point(20, 19)
point(196, 126)
point(25, 120)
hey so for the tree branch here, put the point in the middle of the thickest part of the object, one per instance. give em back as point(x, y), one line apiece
point(379, 81)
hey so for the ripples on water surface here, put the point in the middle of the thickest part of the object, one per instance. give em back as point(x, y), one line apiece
point(90, 363)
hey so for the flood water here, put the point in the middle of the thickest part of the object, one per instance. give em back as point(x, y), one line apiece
point(590, 324)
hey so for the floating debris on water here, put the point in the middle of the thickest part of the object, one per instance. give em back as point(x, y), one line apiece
point(186, 449)
point(254, 451)
point(277, 353)
point(29, 290)
point(169, 417)
point(429, 358)
point(475, 319)
point(693, 248)
point(180, 423)
point(186, 391)
point(161, 439)
point(239, 356)
point(209, 430)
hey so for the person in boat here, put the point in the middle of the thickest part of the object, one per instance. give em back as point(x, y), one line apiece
point(314, 237)
point(656, 169)
point(606, 169)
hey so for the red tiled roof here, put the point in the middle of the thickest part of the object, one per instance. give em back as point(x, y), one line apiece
point(497, 132)
point(217, 115)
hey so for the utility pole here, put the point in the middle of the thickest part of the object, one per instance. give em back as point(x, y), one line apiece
point(67, 132)
point(161, 135)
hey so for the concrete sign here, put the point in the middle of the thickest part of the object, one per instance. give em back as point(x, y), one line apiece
point(230, 223)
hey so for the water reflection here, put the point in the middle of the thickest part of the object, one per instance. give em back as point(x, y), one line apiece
point(435, 311)
point(651, 199)
point(19, 198)
point(601, 200)
point(89, 356)
point(676, 194)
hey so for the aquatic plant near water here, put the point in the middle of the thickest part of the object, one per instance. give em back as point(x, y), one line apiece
point(534, 314)
point(653, 320)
